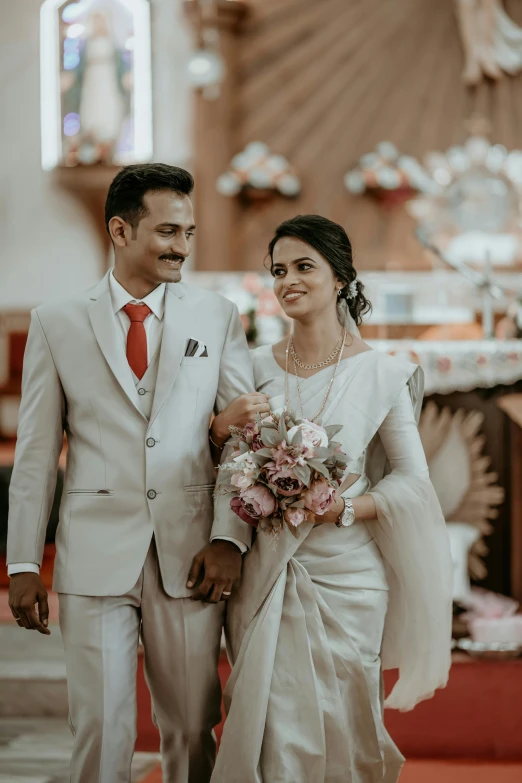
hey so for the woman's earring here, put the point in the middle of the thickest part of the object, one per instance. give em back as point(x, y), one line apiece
point(339, 292)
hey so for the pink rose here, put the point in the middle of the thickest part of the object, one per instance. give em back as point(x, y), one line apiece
point(257, 502)
point(283, 459)
point(284, 479)
point(319, 497)
point(252, 436)
point(236, 504)
point(241, 480)
point(257, 443)
point(295, 516)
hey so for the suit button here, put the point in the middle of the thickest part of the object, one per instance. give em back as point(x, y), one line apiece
point(151, 442)
point(151, 494)
point(141, 392)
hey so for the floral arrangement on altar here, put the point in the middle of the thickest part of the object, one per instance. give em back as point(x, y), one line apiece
point(387, 174)
point(284, 470)
point(257, 174)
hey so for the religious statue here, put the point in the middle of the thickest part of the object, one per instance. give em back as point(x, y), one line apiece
point(97, 92)
point(492, 41)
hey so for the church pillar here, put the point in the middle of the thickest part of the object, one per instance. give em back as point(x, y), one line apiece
point(214, 138)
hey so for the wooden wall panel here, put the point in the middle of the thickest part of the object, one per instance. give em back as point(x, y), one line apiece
point(324, 82)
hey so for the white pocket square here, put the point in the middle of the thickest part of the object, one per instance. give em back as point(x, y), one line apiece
point(196, 349)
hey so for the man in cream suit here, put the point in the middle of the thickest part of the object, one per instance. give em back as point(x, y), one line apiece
point(131, 371)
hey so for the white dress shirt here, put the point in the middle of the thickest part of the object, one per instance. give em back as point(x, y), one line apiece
point(154, 330)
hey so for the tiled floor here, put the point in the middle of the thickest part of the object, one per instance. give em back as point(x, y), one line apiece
point(38, 751)
point(35, 741)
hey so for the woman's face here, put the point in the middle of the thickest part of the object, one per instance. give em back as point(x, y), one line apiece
point(304, 282)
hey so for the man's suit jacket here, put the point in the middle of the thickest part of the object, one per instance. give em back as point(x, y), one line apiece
point(127, 477)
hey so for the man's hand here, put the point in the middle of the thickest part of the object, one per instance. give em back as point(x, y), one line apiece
point(240, 412)
point(26, 590)
point(215, 571)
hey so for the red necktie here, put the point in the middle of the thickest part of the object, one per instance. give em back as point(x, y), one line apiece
point(137, 338)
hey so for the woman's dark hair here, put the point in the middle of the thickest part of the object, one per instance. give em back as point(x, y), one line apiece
point(331, 241)
point(125, 196)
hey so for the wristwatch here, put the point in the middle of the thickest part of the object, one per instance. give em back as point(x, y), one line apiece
point(347, 518)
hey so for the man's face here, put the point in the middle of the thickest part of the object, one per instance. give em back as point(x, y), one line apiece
point(155, 251)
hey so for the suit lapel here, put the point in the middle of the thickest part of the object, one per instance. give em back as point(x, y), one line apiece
point(106, 331)
point(176, 326)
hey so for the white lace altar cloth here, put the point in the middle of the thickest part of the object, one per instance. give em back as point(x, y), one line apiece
point(454, 365)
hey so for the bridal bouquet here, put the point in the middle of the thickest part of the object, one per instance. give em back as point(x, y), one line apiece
point(283, 471)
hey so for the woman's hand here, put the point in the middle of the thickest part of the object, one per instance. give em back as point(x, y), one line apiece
point(363, 507)
point(243, 410)
point(332, 515)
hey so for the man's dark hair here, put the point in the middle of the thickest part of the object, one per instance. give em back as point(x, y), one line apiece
point(125, 196)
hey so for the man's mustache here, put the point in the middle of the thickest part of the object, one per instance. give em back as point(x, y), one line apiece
point(168, 257)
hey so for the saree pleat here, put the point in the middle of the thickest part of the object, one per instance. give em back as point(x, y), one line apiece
point(316, 686)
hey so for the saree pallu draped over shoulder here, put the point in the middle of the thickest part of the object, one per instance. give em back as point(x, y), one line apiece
point(303, 701)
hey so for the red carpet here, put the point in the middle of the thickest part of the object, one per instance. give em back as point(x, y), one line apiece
point(437, 772)
point(478, 716)
point(429, 726)
point(458, 772)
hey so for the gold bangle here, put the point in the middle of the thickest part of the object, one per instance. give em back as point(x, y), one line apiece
point(213, 442)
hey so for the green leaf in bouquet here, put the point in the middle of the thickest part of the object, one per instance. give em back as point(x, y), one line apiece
point(297, 504)
point(319, 467)
point(321, 453)
point(332, 430)
point(297, 438)
point(270, 437)
point(261, 459)
point(283, 432)
point(244, 448)
point(291, 419)
point(264, 424)
point(303, 473)
point(264, 453)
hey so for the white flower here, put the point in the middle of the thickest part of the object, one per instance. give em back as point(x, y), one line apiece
point(245, 462)
point(314, 436)
point(353, 289)
point(245, 471)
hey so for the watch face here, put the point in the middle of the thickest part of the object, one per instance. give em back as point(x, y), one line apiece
point(348, 517)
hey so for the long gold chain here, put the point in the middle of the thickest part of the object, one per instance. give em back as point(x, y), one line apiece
point(319, 365)
point(328, 390)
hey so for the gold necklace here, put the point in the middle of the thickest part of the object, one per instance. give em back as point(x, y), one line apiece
point(328, 390)
point(319, 365)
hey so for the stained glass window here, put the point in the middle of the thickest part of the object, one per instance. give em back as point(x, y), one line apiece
point(95, 82)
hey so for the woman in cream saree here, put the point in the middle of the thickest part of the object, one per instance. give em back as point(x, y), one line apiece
point(317, 617)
